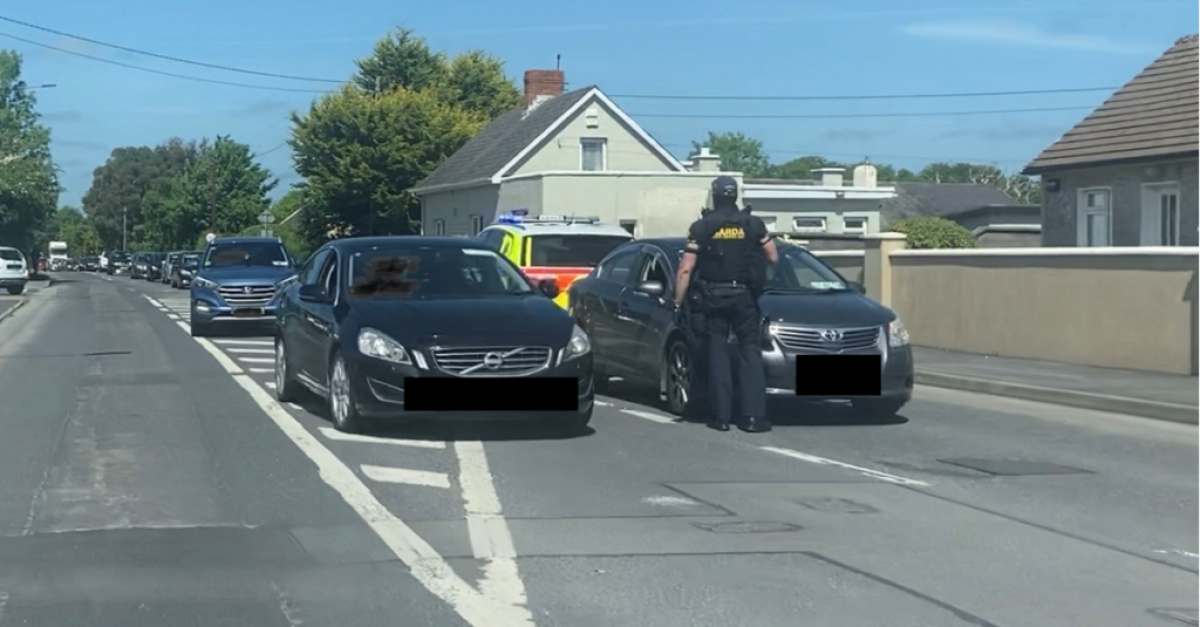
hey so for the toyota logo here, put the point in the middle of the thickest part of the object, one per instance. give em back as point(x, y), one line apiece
point(493, 361)
point(831, 335)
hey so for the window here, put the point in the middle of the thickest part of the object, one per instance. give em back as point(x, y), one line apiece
point(1092, 226)
point(656, 270)
point(428, 272)
point(476, 224)
point(808, 225)
point(798, 269)
point(439, 227)
point(619, 266)
point(857, 224)
point(1160, 214)
point(593, 154)
point(311, 274)
point(492, 238)
point(572, 251)
point(247, 254)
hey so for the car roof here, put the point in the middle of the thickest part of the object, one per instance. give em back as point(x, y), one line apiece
point(358, 244)
point(564, 228)
point(247, 240)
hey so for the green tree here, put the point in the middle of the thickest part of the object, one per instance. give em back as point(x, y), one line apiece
point(926, 232)
point(28, 178)
point(738, 152)
point(361, 153)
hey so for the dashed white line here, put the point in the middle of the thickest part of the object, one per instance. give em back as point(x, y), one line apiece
point(603, 404)
point(423, 478)
point(824, 461)
point(252, 351)
point(152, 300)
point(491, 538)
point(334, 434)
point(256, 360)
point(1178, 552)
point(244, 342)
point(651, 416)
point(261, 370)
point(270, 384)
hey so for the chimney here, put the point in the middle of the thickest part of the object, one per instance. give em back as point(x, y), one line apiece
point(831, 177)
point(542, 85)
point(865, 175)
point(706, 161)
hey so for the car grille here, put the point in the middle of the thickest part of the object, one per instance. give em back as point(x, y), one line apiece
point(247, 296)
point(807, 339)
point(469, 361)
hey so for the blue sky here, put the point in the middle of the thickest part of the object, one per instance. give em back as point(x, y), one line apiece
point(690, 47)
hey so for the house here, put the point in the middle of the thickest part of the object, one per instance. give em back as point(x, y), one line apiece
point(830, 205)
point(573, 153)
point(985, 210)
point(1127, 174)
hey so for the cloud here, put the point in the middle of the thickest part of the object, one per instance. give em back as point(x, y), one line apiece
point(1014, 132)
point(1013, 33)
point(853, 134)
point(62, 117)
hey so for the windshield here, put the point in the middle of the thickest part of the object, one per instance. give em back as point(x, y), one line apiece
point(257, 254)
point(11, 255)
point(119, 257)
point(190, 261)
point(567, 251)
point(425, 271)
point(799, 269)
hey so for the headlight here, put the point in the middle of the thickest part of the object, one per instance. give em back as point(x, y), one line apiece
point(372, 343)
point(897, 334)
point(579, 344)
point(204, 283)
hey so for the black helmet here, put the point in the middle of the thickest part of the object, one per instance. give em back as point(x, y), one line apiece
point(725, 187)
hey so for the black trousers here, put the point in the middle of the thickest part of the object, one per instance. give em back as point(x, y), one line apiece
point(736, 310)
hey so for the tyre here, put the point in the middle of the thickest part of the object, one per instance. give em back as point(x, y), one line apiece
point(678, 370)
point(287, 389)
point(876, 407)
point(342, 409)
point(199, 330)
point(15, 290)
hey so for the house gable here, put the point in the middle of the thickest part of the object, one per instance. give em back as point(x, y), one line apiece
point(1152, 117)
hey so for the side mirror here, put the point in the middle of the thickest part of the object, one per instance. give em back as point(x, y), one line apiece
point(549, 287)
point(856, 286)
point(652, 288)
point(312, 293)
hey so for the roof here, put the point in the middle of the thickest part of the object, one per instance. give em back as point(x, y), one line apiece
point(1153, 116)
point(942, 199)
point(513, 136)
point(352, 244)
point(245, 239)
point(566, 229)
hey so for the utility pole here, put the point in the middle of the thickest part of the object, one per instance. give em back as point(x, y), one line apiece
point(212, 197)
point(125, 228)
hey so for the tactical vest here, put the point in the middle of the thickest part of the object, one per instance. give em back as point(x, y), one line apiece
point(729, 251)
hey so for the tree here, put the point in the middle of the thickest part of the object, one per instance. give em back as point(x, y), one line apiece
point(361, 153)
point(738, 153)
point(28, 178)
point(934, 232)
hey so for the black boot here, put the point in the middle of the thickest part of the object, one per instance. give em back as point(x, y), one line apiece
point(718, 425)
point(755, 425)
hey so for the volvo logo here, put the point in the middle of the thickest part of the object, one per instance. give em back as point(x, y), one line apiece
point(493, 361)
point(831, 335)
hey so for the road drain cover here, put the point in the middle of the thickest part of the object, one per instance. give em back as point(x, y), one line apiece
point(1014, 467)
point(746, 527)
point(1182, 617)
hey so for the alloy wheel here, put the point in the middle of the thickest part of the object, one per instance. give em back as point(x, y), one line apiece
point(339, 393)
point(280, 366)
point(679, 381)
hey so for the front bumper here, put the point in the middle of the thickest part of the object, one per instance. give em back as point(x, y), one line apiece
point(207, 308)
point(13, 281)
point(896, 383)
point(378, 391)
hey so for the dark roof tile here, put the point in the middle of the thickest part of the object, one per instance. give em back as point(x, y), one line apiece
point(1153, 115)
point(941, 199)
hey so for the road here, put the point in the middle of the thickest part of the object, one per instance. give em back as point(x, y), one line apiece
point(147, 478)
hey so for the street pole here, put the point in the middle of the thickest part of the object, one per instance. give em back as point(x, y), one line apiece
point(212, 197)
point(125, 228)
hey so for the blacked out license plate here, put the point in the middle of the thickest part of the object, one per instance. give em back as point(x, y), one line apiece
point(247, 312)
point(835, 376)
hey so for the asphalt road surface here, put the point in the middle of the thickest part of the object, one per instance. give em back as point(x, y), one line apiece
point(149, 479)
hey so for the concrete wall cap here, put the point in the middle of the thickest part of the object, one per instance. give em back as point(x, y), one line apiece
point(887, 236)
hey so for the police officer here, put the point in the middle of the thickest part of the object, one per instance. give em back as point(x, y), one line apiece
point(726, 249)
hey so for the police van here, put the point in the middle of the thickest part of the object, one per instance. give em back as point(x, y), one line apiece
point(557, 248)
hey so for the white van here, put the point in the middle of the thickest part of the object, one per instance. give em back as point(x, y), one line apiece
point(14, 271)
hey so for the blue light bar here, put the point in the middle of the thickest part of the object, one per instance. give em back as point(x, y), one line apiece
point(508, 218)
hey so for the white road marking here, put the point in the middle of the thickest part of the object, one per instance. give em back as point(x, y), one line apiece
point(223, 342)
point(423, 478)
point(174, 317)
point(152, 301)
point(651, 416)
point(252, 351)
point(334, 434)
point(257, 360)
point(823, 461)
point(479, 609)
point(3, 605)
point(261, 370)
point(603, 404)
point(491, 538)
point(295, 407)
point(670, 501)
point(1179, 552)
point(270, 384)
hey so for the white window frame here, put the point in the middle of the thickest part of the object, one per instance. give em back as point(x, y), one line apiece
point(796, 228)
point(1152, 217)
point(476, 225)
point(1082, 211)
point(439, 227)
point(866, 224)
point(583, 144)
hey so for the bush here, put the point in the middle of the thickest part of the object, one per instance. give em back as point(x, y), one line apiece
point(926, 232)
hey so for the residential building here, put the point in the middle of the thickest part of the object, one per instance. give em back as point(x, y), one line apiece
point(830, 205)
point(990, 214)
point(1127, 174)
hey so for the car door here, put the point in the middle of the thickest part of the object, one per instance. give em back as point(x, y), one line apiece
point(616, 303)
point(653, 315)
point(294, 323)
point(600, 302)
point(319, 323)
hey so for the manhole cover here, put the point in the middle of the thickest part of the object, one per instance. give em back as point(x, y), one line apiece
point(1014, 467)
point(746, 527)
point(837, 506)
point(1182, 617)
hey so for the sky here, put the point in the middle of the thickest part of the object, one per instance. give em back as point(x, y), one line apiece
point(768, 48)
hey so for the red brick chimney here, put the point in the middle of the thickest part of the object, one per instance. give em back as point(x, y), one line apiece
point(542, 85)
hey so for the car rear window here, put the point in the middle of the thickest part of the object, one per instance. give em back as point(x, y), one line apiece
point(565, 251)
point(11, 255)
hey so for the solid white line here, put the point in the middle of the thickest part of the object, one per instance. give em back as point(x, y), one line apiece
point(491, 539)
point(423, 478)
point(427, 566)
point(334, 434)
point(257, 360)
point(651, 416)
point(823, 461)
point(252, 351)
point(1179, 552)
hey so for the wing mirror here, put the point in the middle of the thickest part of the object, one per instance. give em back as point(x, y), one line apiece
point(549, 287)
point(652, 288)
point(856, 286)
point(312, 294)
